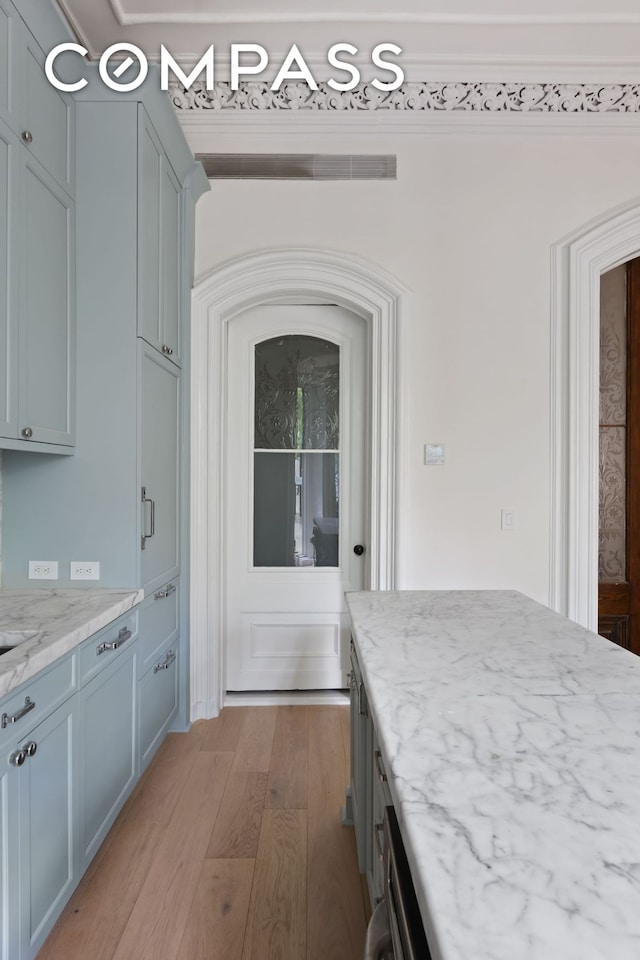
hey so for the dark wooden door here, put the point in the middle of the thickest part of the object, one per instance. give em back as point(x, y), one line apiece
point(619, 567)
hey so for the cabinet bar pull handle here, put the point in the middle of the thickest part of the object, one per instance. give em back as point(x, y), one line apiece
point(166, 663)
point(382, 776)
point(29, 705)
point(362, 700)
point(147, 536)
point(124, 635)
point(378, 834)
point(165, 592)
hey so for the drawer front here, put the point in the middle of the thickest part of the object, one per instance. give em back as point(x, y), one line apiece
point(158, 702)
point(158, 623)
point(99, 650)
point(22, 709)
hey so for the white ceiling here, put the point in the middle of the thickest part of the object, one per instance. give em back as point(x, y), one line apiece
point(534, 34)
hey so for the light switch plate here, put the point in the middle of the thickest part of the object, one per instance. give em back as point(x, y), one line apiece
point(434, 454)
point(508, 519)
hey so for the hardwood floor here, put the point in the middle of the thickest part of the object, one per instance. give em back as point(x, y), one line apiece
point(230, 848)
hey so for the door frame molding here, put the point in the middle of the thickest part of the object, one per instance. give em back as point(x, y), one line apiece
point(292, 276)
point(577, 262)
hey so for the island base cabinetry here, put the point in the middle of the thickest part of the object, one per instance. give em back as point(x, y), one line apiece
point(368, 792)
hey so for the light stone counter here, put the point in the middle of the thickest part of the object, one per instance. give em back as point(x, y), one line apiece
point(512, 739)
point(60, 619)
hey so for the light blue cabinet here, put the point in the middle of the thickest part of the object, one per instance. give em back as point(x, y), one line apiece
point(107, 753)
point(359, 792)
point(37, 220)
point(46, 411)
point(159, 245)
point(38, 728)
point(8, 288)
point(368, 791)
point(159, 619)
point(11, 47)
point(9, 856)
point(158, 702)
point(47, 125)
point(46, 826)
point(160, 409)
point(69, 748)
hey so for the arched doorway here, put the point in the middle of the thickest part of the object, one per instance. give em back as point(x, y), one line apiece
point(577, 264)
point(283, 276)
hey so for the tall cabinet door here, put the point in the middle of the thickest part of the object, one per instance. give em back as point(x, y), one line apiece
point(8, 320)
point(46, 327)
point(159, 467)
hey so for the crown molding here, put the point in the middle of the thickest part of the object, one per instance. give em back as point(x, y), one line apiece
point(126, 19)
point(418, 108)
point(294, 125)
point(450, 68)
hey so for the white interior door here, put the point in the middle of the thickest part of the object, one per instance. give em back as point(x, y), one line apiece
point(295, 494)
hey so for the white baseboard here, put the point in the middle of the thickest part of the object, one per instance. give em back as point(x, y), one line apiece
point(271, 698)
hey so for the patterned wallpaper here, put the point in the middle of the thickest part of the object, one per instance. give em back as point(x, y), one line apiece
point(613, 402)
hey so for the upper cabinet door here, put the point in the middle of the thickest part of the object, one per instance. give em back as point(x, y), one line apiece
point(158, 245)
point(46, 406)
point(170, 267)
point(149, 187)
point(47, 130)
point(9, 147)
point(12, 40)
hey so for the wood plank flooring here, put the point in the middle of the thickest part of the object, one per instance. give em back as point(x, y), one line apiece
point(230, 848)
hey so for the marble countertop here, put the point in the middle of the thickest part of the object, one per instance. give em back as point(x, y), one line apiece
point(512, 740)
point(59, 619)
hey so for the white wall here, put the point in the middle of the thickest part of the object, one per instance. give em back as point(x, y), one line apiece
point(468, 228)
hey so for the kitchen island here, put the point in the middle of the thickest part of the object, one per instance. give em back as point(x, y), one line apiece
point(511, 739)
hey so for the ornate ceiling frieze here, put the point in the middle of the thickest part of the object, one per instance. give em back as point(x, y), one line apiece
point(430, 97)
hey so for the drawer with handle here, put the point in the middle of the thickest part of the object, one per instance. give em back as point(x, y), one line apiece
point(158, 623)
point(24, 707)
point(157, 701)
point(100, 649)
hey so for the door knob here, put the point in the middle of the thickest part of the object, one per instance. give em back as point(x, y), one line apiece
point(358, 549)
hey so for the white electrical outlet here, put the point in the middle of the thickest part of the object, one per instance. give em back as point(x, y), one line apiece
point(43, 569)
point(84, 570)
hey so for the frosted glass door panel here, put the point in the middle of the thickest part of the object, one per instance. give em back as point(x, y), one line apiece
point(296, 456)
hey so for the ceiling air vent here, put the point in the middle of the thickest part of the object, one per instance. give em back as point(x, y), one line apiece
point(298, 166)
